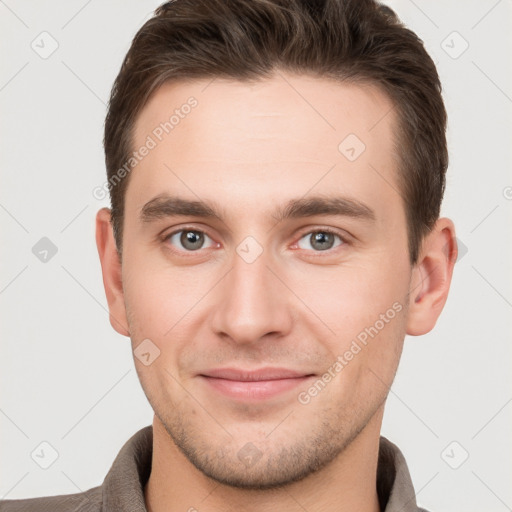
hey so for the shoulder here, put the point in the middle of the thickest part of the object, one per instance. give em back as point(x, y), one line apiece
point(87, 501)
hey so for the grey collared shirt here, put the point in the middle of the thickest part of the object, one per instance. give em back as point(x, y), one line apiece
point(123, 487)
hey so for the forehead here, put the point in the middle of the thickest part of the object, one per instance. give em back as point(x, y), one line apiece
point(267, 139)
point(308, 108)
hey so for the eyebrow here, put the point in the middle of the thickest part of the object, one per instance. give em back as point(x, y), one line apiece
point(164, 206)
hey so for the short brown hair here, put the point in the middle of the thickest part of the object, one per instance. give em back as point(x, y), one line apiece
point(349, 40)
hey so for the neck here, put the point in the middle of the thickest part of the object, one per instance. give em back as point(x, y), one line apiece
point(348, 483)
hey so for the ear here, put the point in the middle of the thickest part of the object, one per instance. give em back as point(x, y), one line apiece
point(431, 278)
point(111, 270)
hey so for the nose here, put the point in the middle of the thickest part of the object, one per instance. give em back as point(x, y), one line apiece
point(252, 302)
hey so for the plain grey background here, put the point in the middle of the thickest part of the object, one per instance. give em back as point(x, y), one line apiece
point(68, 379)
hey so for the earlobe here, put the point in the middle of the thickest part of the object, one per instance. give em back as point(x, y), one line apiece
point(111, 270)
point(431, 278)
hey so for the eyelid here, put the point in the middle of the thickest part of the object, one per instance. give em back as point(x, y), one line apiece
point(186, 227)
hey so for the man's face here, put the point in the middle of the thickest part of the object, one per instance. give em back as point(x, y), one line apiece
point(251, 290)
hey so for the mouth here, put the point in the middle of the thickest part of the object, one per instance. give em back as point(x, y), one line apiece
point(251, 385)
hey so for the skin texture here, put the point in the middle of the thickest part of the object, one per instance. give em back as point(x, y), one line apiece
point(248, 148)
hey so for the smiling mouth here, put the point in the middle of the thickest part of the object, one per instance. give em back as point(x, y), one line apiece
point(253, 385)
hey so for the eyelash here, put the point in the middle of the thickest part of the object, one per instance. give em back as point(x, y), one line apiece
point(343, 239)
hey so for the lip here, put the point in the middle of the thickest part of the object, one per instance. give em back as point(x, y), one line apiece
point(258, 384)
point(241, 375)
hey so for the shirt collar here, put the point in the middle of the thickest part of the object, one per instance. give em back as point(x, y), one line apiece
point(123, 487)
point(394, 484)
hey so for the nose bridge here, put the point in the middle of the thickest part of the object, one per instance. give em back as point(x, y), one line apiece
point(251, 301)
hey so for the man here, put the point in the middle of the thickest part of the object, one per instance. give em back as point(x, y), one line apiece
point(276, 170)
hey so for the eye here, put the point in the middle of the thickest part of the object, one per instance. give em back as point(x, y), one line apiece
point(189, 239)
point(320, 240)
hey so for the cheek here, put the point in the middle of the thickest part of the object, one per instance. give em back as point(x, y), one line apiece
point(365, 354)
point(157, 294)
point(351, 296)
point(364, 308)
